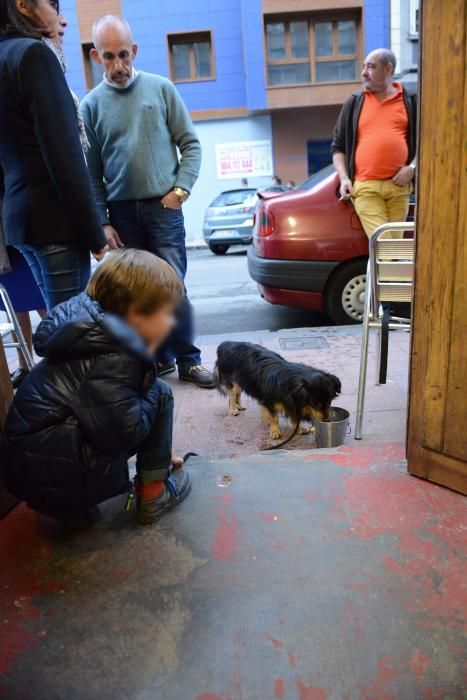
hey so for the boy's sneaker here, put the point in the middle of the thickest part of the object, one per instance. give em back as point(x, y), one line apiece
point(154, 500)
point(199, 375)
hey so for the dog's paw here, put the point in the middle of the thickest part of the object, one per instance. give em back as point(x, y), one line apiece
point(233, 412)
point(241, 408)
point(275, 434)
point(304, 430)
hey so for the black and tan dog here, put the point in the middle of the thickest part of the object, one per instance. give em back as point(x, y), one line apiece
point(295, 390)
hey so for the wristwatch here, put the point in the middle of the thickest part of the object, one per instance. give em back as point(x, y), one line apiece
point(412, 165)
point(181, 194)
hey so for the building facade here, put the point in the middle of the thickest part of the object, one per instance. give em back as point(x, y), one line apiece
point(263, 79)
point(404, 33)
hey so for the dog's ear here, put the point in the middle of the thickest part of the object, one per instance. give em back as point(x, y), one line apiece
point(323, 388)
point(336, 382)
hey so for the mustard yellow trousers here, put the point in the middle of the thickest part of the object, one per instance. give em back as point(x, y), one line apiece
point(380, 202)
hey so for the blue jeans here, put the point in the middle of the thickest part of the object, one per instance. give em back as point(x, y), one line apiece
point(147, 225)
point(60, 270)
point(154, 454)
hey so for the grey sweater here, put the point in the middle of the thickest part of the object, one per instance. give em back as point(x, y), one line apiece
point(134, 134)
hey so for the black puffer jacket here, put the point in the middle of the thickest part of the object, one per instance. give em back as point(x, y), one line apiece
point(80, 412)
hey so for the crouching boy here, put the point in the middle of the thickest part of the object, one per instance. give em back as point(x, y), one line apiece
point(95, 399)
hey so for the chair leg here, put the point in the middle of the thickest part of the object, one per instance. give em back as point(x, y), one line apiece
point(363, 362)
point(383, 347)
point(13, 319)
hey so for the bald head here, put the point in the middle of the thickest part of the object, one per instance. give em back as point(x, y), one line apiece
point(114, 49)
point(385, 57)
point(378, 70)
point(109, 27)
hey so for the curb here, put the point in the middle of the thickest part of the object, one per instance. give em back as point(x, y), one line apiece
point(196, 244)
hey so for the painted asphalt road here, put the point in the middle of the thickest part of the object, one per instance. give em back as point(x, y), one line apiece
point(226, 299)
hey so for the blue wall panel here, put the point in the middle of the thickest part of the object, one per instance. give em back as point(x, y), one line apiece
point(253, 48)
point(75, 74)
point(377, 24)
point(151, 22)
point(237, 30)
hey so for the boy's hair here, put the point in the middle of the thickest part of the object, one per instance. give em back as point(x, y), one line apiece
point(134, 277)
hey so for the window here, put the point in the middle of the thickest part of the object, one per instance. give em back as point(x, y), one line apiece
point(414, 18)
point(191, 57)
point(319, 155)
point(288, 52)
point(93, 71)
point(304, 50)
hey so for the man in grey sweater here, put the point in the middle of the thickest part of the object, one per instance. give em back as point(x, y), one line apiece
point(135, 122)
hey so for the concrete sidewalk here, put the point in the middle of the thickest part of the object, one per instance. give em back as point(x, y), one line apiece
point(202, 423)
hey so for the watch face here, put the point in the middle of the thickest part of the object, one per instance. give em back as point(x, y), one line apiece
point(181, 194)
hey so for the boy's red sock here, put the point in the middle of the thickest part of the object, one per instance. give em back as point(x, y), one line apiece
point(149, 492)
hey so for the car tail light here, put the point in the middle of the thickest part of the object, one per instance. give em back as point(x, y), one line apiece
point(266, 223)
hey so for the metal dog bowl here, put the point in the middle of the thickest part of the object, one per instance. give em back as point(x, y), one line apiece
point(332, 433)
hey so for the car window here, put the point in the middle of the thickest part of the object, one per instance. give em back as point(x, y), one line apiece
point(316, 178)
point(276, 188)
point(233, 197)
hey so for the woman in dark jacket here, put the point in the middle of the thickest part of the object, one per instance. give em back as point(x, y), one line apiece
point(49, 212)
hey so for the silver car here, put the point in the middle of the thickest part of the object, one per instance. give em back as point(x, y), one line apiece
point(229, 220)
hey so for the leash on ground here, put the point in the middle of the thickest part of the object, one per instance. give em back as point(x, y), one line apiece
point(281, 444)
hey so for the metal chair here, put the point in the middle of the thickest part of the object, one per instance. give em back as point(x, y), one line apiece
point(389, 279)
point(12, 327)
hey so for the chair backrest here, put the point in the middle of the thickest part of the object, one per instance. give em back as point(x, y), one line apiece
point(391, 264)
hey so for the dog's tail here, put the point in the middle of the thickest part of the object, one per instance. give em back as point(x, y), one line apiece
point(291, 437)
point(217, 379)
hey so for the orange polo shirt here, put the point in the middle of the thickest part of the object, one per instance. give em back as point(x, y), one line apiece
point(382, 147)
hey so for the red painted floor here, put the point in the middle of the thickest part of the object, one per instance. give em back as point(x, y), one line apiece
point(313, 575)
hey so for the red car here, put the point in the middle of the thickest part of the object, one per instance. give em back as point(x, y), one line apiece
point(309, 249)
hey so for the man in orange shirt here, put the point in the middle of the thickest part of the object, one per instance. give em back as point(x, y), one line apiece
point(374, 144)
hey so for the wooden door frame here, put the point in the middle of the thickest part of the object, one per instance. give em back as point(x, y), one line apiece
point(436, 438)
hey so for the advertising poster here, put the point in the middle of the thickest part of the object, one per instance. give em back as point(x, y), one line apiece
point(244, 159)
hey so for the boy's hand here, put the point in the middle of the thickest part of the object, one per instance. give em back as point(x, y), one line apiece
point(113, 239)
point(99, 254)
point(177, 462)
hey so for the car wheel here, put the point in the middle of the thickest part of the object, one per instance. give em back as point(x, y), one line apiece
point(344, 296)
point(219, 249)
